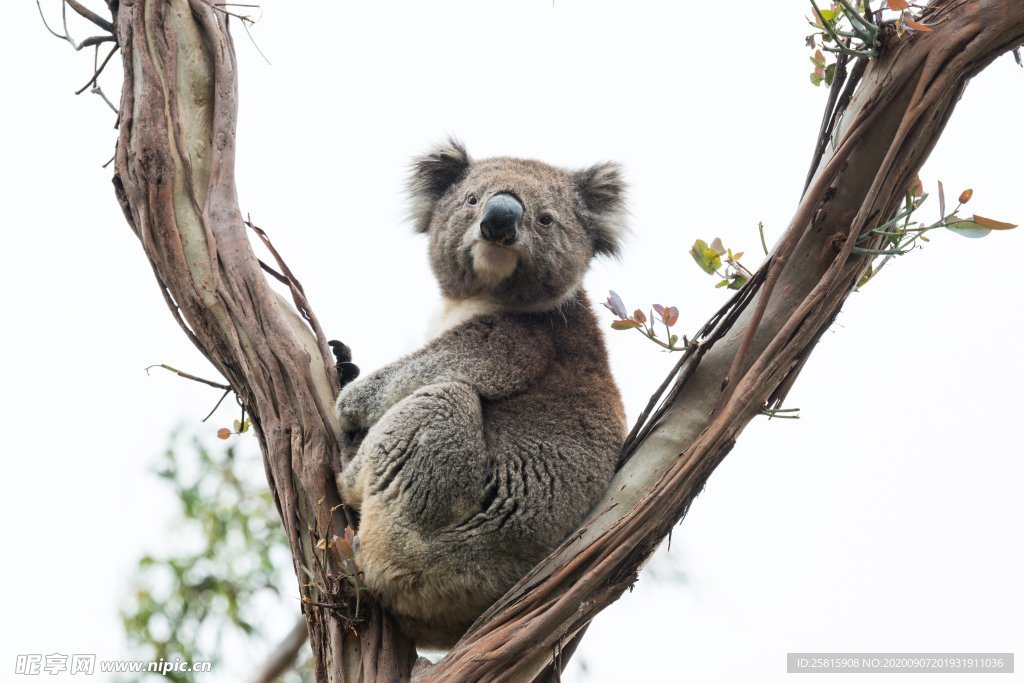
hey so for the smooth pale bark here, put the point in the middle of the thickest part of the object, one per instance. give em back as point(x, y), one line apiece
point(175, 181)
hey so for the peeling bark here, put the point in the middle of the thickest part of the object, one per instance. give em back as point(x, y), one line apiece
point(175, 182)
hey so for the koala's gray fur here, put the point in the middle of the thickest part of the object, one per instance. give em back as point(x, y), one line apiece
point(484, 449)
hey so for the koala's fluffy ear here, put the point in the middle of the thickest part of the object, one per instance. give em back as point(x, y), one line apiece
point(603, 194)
point(432, 174)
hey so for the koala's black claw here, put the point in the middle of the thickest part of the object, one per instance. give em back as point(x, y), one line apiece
point(342, 354)
point(347, 372)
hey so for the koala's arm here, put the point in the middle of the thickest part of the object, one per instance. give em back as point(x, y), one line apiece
point(497, 356)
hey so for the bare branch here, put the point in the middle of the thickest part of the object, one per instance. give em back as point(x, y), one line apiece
point(88, 14)
point(283, 657)
point(97, 90)
point(179, 373)
point(91, 16)
point(217, 405)
point(97, 69)
point(879, 141)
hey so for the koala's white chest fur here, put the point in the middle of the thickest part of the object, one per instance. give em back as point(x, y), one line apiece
point(455, 312)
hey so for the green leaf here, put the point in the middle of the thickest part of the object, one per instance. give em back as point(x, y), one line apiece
point(723, 283)
point(967, 228)
point(816, 79)
point(706, 257)
point(830, 74)
point(737, 282)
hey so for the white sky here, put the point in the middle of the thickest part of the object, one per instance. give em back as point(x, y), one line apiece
point(883, 520)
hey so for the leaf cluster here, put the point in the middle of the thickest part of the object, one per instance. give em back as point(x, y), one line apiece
point(900, 235)
point(712, 257)
point(667, 316)
point(853, 28)
point(226, 553)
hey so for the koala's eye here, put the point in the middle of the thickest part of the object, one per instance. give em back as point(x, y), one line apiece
point(545, 219)
point(472, 200)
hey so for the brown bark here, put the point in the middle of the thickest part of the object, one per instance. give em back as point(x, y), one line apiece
point(175, 181)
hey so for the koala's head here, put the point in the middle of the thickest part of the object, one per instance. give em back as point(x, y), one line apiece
point(516, 232)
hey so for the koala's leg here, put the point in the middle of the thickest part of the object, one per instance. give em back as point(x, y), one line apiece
point(421, 471)
point(426, 458)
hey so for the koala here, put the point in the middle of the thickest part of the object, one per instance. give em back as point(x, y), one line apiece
point(472, 458)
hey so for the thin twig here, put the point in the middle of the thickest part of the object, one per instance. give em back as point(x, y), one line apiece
point(825, 132)
point(66, 36)
point(90, 15)
point(864, 28)
point(97, 90)
point(62, 36)
point(186, 375)
point(273, 273)
point(299, 298)
point(245, 25)
point(219, 401)
point(98, 70)
point(219, 7)
point(653, 402)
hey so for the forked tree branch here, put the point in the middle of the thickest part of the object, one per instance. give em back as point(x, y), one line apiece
point(747, 359)
point(175, 182)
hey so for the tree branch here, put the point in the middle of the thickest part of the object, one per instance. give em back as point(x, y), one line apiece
point(282, 659)
point(175, 181)
point(880, 140)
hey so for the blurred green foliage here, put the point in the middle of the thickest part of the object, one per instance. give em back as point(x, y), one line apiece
point(224, 559)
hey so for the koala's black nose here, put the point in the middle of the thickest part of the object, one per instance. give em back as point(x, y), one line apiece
point(500, 223)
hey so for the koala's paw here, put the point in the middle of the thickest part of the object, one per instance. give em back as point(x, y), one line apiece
point(350, 418)
point(358, 405)
point(346, 369)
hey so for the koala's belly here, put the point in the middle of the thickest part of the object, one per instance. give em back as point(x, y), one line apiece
point(543, 459)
